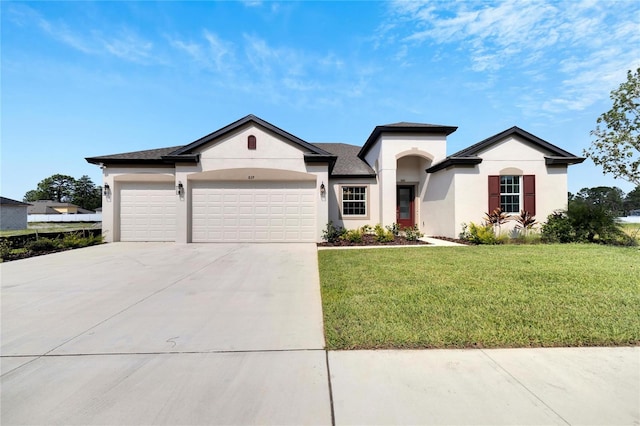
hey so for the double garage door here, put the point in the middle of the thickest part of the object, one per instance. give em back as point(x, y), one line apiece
point(253, 211)
point(221, 211)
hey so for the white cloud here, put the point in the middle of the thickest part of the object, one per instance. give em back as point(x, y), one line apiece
point(583, 48)
point(126, 44)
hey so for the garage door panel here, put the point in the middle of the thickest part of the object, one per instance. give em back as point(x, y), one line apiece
point(147, 211)
point(254, 212)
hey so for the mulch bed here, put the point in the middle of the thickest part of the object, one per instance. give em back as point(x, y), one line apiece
point(29, 254)
point(370, 240)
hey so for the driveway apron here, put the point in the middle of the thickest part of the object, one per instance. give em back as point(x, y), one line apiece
point(163, 333)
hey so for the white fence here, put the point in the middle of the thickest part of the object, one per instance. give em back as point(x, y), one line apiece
point(97, 217)
point(630, 219)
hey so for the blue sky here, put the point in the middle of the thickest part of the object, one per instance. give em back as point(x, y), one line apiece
point(83, 79)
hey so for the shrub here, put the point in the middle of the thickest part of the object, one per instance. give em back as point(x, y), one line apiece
point(75, 240)
point(412, 234)
point(394, 229)
point(383, 235)
point(43, 244)
point(366, 229)
point(5, 248)
point(526, 221)
point(593, 223)
point(496, 218)
point(481, 234)
point(332, 233)
point(557, 228)
point(353, 235)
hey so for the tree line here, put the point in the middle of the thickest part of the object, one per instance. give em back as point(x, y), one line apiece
point(67, 189)
point(611, 199)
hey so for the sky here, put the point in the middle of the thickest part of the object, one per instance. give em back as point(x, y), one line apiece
point(83, 79)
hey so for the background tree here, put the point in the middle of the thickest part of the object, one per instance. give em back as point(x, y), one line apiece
point(632, 200)
point(617, 144)
point(86, 194)
point(66, 189)
point(56, 188)
point(609, 198)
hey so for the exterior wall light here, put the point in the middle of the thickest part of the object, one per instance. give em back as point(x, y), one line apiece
point(323, 190)
point(107, 190)
point(180, 189)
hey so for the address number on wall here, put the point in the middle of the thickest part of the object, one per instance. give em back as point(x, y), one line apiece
point(251, 177)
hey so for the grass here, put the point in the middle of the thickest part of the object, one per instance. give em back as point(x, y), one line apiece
point(34, 227)
point(632, 229)
point(484, 296)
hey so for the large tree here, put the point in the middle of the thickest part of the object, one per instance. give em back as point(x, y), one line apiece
point(57, 188)
point(617, 135)
point(86, 194)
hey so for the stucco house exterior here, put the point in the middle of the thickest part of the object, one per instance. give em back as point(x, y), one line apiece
point(252, 181)
point(13, 214)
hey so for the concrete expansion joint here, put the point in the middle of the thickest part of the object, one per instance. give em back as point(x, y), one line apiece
point(499, 366)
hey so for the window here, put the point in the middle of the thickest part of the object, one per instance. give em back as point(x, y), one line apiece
point(251, 142)
point(354, 200)
point(510, 194)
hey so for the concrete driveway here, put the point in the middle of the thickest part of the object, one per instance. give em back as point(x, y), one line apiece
point(164, 334)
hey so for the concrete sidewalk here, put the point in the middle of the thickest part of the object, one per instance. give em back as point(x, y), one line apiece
point(545, 386)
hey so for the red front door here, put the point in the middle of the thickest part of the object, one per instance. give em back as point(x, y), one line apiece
point(405, 211)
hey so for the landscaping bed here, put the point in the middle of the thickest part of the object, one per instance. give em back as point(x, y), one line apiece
point(24, 246)
point(370, 240)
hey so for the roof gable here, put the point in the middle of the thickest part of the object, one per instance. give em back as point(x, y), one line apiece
point(470, 155)
point(404, 127)
point(249, 119)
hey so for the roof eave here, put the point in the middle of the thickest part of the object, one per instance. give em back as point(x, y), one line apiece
point(454, 162)
point(118, 161)
point(191, 158)
point(553, 161)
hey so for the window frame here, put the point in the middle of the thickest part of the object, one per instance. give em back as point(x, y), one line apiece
point(519, 194)
point(364, 202)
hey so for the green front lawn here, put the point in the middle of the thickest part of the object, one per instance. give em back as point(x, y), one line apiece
point(481, 296)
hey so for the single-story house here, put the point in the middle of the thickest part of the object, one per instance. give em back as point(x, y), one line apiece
point(55, 207)
point(252, 181)
point(13, 214)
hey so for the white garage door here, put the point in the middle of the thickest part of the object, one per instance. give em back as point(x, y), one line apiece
point(147, 211)
point(254, 211)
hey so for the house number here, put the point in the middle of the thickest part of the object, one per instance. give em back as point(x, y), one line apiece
point(251, 177)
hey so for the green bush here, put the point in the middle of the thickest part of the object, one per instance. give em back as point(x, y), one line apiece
point(383, 235)
point(332, 233)
point(412, 233)
point(5, 248)
point(480, 234)
point(394, 229)
point(353, 235)
point(557, 229)
point(43, 244)
point(584, 222)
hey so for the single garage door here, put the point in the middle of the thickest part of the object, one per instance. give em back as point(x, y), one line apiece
point(147, 211)
point(254, 211)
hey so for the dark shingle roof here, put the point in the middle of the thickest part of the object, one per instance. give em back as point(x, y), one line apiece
point(348, 162)
point(146, 156)
point(9, 202)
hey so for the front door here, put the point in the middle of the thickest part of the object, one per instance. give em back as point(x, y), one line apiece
point(405, 211)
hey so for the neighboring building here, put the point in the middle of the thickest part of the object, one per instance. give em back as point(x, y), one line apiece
point(13, 214)
point(252, 181)
point(54, 207)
